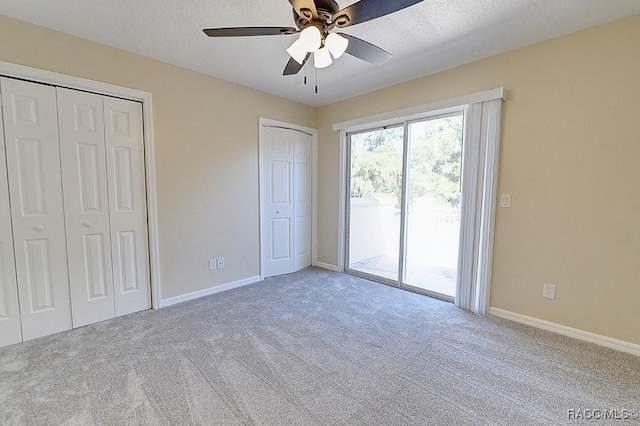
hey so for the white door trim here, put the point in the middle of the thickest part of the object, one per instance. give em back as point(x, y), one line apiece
point(55, 79)
point(342, 203)
point(418, 112)
point(265, 123)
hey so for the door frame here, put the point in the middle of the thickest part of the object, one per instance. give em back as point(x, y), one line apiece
point(264, 123)
point(381, 120)
point(36, 75)
point(385, 119)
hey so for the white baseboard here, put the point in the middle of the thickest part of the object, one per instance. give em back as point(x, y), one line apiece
point(328, 266)
point(619, 345)
point(208, 291)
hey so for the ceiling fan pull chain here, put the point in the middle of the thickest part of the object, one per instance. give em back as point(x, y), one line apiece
point(305, 75)
point(316, 81)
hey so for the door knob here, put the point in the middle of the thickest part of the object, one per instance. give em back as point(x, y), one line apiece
point(40, 228)
point(87, 224)
point(277, 211)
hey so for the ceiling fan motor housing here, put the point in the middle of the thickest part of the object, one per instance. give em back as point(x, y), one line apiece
point(325, 8)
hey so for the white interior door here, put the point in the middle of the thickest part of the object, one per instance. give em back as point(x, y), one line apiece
point(10, 329)
point(86, 204)
point(302, 199)
point(286, 200)
point(277, 204)
point(33, 163)
point(127, 205)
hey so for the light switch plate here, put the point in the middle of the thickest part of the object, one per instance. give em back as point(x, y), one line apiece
point(213, 264)
point(221, 263)
point(505, 200)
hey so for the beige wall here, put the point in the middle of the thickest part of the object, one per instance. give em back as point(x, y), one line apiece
point(571, 159)
point(206, 144)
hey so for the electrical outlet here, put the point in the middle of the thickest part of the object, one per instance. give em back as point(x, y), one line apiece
point(213, 264)
point(549, 291)
point(221, 263)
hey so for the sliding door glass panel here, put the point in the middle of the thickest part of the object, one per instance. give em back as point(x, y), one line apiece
point(433, 215)
point(374, 202)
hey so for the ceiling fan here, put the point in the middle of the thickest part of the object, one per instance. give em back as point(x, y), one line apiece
point(315, 21)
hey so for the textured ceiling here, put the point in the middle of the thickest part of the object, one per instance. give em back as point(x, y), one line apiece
point(429, 37)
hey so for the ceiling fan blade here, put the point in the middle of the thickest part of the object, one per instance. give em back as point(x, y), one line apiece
point(293, 67)
point(366, 51)
point(305, 9)
point(366, 10)
point(248, 31)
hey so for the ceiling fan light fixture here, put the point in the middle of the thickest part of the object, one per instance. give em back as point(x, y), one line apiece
point(322, 58)
point(314, 21)
point(297, 51)
point(310, 38)
point(336, 44)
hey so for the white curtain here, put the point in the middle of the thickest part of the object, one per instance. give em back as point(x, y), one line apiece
point(480, 151)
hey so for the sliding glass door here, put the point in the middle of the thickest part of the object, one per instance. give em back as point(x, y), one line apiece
point(433, 207)
point(403, 219)
point(376, 159)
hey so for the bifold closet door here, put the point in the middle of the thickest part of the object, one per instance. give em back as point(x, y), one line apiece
point(86, 204)
point(127, 205)
point(286, 200)
point(35, 188)
point(105, 207)
point(10, 330)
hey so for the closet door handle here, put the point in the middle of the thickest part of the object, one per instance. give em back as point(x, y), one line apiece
point(39, 228)
point(87, 224)
point(277, 211)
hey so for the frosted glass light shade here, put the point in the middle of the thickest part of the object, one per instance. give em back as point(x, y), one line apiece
point(311, 39)
point(297, 51)
point(336, 44)
point(322, 58)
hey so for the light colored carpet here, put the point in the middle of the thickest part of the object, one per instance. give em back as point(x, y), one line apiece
point(314, 347)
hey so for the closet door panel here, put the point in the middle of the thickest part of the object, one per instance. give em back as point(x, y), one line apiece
point(127, 205)
point(277, 200)
point(302, 199)
point(33, 165)
point(10, 329)
point(86, 202)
